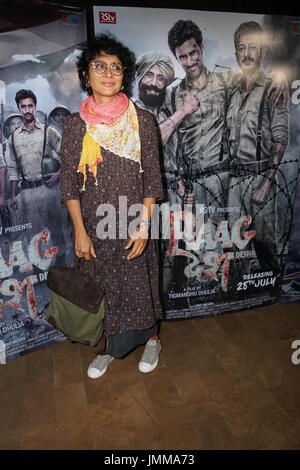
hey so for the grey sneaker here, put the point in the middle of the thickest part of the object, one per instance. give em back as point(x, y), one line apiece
point(99, 366)
point(149, 359)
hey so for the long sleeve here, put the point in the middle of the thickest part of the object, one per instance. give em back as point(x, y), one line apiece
point(279, 122)
point(69, 160)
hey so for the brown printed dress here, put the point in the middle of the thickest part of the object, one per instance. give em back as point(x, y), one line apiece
point(131, 287)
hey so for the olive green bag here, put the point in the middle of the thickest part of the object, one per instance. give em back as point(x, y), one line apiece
point(78, 316)
point(76, 323)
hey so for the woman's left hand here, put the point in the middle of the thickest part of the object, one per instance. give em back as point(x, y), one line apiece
point(139, 244)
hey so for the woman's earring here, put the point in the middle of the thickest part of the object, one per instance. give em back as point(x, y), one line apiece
point(87, 84)
point(122, 87)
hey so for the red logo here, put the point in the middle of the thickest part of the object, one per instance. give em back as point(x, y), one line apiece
point(107, 17)
point(295, 27)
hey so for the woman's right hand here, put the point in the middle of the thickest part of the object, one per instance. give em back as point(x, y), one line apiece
point(84, 246)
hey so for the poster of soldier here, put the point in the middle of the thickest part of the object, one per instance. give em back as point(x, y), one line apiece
point(224, 88)
point(225, 91)
point(39, 89)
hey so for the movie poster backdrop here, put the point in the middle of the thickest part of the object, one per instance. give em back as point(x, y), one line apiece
point(242, 201)
point(232, 263)
point(39, 46)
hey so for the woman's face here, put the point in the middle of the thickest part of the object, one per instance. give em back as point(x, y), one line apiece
point(105, 76)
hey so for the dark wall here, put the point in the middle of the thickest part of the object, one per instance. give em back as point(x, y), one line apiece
point(251, 6)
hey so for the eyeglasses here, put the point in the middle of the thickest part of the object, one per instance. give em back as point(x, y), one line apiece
point(101, 67)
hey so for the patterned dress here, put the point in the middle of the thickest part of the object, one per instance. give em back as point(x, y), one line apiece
point(131, 287)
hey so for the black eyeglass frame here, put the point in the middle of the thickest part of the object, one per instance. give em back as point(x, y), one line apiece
point(94, 65)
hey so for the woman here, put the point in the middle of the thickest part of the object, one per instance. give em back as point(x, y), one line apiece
point(117, 143)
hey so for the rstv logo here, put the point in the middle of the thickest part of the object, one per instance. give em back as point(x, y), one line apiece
point(107, 17)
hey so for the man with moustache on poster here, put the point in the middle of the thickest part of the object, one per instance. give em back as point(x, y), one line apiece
point(30, 146)
point(258, 136)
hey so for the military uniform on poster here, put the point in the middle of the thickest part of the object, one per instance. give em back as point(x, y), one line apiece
point(248, 168)
point(202, 153)
point(41, 206)
point(201, 137)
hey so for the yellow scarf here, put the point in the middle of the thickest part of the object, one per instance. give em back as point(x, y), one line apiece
point(122, 138)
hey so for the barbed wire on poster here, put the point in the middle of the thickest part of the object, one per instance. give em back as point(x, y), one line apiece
point(233, 258)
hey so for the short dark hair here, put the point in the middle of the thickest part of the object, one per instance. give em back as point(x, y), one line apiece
point(249, 27)
point(182, 31)
point(23, 94)
point(108, 44)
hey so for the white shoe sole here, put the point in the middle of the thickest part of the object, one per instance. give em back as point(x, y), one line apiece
point(145, 367)
point(94, 373)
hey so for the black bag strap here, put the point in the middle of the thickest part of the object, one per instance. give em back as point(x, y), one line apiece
point(260, 121)
point(45, 136)
point(173, 104)
point(44, 143)
point(224, 142)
